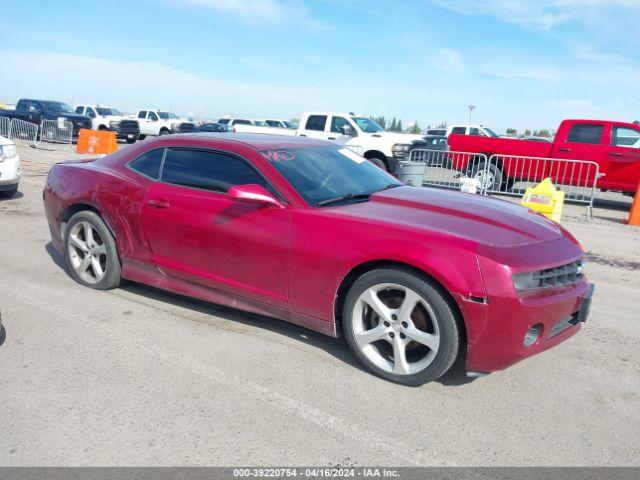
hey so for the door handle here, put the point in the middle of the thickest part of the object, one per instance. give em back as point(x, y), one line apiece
point(564, 149)
point(332, 138)
point(615, 154)
point(158, 203)
point(302, 135)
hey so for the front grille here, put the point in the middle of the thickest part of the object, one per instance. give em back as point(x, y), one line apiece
point(129, 126)
point(559, 276)
point(186, 127)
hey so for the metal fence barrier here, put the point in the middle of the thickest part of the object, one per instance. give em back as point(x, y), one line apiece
point(512, 175)
point(23, 132)
point(5, 126)
point(58, 132)
point(445, 169)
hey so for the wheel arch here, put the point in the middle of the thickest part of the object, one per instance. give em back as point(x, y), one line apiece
point(74, 208)
point(359, 270)
point(376, 154)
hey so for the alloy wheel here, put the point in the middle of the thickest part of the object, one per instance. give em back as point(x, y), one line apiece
point(87, 252)
point(396, 329)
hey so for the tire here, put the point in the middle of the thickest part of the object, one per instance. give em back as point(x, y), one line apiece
point(375, 338)
point(131, 140)
point(142, 137)
point(102, 271)
point(164, 131)
point(102, 128)
point(8, 193)
point(379, 163)
point(493, 180)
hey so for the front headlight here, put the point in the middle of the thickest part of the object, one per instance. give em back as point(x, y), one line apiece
point(114, 124)
point(526, 281)
point(175, 126)
point(400, 149)
point(8, 151)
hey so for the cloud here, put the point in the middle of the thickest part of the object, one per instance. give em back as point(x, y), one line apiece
point(259, 12)
point(516, 71)
point(449, 60)
point(542, 14)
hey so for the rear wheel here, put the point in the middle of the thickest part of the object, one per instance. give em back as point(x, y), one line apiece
point(142, 137)
point(401, 326)
point(489, 176)
point(164, 131)
point(90, 252)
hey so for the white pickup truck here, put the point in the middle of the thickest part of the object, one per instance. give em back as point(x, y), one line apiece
point(108, 118)
point(385, 149)
point(159, 122)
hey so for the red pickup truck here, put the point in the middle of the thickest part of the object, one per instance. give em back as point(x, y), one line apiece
point(614, 146)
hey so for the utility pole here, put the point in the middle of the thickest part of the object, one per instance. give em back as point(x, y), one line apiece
point(471, 109)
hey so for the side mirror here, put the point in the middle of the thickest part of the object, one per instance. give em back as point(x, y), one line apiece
point(348, 130)
point(253, 193)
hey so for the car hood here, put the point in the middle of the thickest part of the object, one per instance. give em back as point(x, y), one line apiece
point(481, 220)
point(73, 117)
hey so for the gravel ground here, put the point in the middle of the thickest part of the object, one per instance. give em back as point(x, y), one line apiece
point(138, 377)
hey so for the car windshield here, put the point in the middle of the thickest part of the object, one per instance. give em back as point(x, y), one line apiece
point(108, 111)
point(58, 107)
point(290, 124)
point(168, 115)
point(321, 174)
point(491, 132)
point(260, 123)
point(367, 125)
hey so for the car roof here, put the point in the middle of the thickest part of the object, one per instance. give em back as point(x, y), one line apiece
point(258, 141)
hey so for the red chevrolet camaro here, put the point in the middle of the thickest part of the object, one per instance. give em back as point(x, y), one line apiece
point(312, 233)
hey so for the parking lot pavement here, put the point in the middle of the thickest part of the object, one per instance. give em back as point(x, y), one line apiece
point(135, 376)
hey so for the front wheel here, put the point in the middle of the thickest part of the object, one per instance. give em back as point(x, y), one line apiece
point(164, 131)
point(90, 252)
point(379, 163)
point(400, 326)
point(131, 140)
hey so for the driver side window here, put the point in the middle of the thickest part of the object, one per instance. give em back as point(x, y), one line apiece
point(208, 170)
point(337, 123)
point(153, 116)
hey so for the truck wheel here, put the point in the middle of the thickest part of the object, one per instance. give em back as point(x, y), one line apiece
point(131, 140)
point(379, 163)
point(142, 137)
point(164, 131)
point(489, 177)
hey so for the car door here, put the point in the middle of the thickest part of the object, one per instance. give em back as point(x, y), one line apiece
point(144, 123)
point(335, 129)
point(583, 141)
point(624, 158)
point(197, 234)
point(315, 127)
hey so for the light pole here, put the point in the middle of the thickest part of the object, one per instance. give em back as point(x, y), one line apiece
point(471, 109)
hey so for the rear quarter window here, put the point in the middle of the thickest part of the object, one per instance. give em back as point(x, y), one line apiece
point(148, 164)
point(316, 122)
point(585, 133)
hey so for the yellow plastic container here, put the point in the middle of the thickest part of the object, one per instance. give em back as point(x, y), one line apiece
point(546, 199)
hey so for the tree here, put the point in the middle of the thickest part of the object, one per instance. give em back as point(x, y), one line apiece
point(399, 125)
point(416, 128)
point(544, 133)
point(527, 133)
point(512, 131)
point(393, 126)
point(381, 121)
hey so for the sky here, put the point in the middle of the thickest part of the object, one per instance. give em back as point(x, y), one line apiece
point(523, 64)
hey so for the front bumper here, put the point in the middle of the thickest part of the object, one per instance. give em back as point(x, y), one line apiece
point(10, 173)
point(497, 338)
